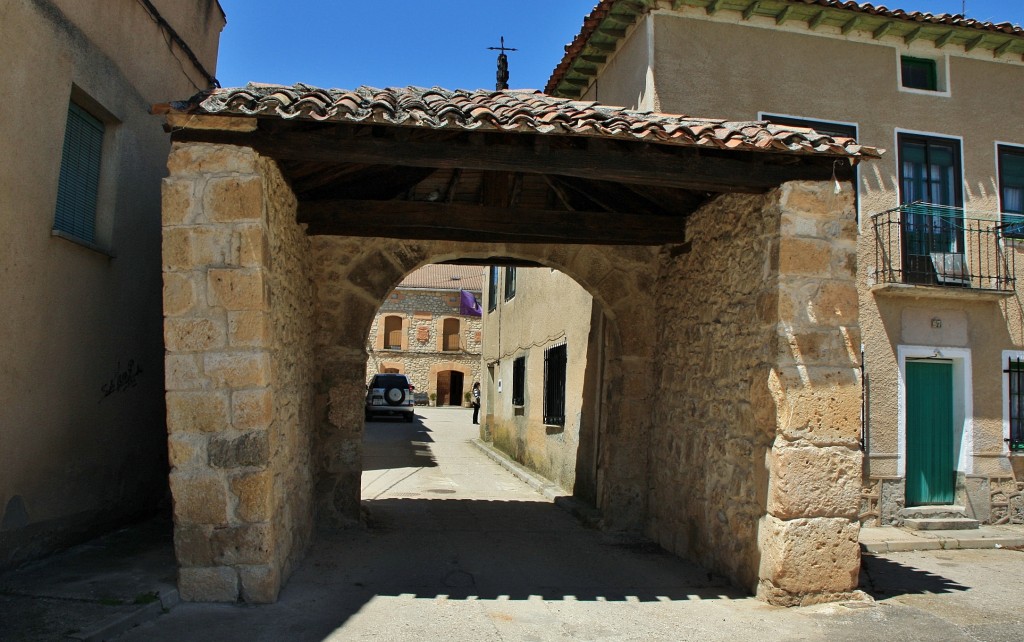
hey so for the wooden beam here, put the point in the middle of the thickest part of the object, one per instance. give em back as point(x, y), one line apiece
point(886, 27)
point(1003, 48)
point(944, 39)
point(913, 35)
point(636, 163)
point(453, 185)
point(817, 20)
point(612, 32)
point(751, 8)
point(784, 15)
point(597, 60)
point(423, 220)
point(713, 7)
point(850, 25)
point(973, 44)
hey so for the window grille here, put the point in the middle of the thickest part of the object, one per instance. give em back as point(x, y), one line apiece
point(79, 183)
point(554, 385)
point(519, 381)
point(1015, 370)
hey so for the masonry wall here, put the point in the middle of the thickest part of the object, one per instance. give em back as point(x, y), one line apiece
point(81, 390)
point(755, 466)
point(240, 373)
point(423, 312)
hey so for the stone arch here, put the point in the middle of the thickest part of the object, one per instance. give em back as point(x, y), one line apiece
point(620, 279)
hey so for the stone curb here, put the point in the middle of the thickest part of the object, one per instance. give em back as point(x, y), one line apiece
point(590, 516)
point(118, 624)
point(901, 541)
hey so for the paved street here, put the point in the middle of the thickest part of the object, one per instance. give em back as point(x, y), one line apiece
point(460, 549)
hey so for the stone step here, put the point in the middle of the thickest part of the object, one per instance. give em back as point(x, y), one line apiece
point(941, 524)
point(948, 511)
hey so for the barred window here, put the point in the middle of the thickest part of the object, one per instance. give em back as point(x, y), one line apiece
point(519, 381)
point(554, 385)
point(1015, 371)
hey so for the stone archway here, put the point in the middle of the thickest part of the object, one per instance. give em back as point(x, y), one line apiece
point(750, 315)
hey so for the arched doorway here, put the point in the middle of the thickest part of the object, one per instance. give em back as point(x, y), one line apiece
point(449, 386)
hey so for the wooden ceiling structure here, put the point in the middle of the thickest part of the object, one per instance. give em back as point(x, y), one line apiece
point(422, 171)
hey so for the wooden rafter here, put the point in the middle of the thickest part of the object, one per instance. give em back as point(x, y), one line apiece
point(944, 39)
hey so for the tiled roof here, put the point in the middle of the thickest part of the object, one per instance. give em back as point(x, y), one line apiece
point(445, 276)
point(528, 111)
point(606, 8)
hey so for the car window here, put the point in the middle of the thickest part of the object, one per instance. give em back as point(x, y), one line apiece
point(385, 381)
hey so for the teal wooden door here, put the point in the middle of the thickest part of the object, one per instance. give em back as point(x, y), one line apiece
point(930, 472)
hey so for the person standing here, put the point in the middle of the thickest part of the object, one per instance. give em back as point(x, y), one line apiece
point(476, 402)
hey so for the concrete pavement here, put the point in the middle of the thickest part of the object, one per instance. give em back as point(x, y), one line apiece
point(458, 548)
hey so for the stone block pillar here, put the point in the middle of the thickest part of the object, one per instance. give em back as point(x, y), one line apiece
point(234, 417)
point(808, 537)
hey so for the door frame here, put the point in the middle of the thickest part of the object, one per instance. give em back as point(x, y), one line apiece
point(963, 403)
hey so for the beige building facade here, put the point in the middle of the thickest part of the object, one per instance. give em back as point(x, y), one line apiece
point(429, 328)
point(536, 405)
point(82, 430)
point(938, 284)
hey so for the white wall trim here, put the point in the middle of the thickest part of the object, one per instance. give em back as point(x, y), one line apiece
point(942, 67)
point(963, 402)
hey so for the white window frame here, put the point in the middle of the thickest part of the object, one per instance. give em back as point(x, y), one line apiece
point(941, 70)
point(963, 402)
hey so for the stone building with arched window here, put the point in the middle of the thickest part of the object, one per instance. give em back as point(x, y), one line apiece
point(430, 329)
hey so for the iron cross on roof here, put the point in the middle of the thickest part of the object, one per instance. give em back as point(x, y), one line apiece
point(502, 64)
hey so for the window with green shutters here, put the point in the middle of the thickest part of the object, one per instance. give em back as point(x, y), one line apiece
point(79, 175)
point(919, 73)
point(1011, 189)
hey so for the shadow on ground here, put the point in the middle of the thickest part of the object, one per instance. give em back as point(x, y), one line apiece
point(883, 578)
point(389, 443)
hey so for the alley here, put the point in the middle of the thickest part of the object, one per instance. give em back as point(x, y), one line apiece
point(458, 548)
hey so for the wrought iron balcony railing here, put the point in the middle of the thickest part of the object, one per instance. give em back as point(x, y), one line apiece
point(926, 244)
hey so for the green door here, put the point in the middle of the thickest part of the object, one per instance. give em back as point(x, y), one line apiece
point(930, 473)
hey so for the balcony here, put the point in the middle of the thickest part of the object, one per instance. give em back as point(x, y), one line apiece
point(921, 246)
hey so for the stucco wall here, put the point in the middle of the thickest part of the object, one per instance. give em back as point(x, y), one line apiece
point(548, 309)
point(726, 67)
point(81, 396)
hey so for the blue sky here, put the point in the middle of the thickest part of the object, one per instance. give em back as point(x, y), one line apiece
point(344, 43)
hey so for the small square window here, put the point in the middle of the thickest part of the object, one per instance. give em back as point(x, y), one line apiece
point(79, 184)
point(919, 73)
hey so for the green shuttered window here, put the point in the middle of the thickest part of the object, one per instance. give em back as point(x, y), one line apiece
point(1011, 189)
point(79, 175)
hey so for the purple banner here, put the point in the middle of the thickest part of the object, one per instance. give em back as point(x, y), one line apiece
point(469, 306)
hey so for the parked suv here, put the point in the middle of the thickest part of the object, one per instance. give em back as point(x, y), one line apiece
point(389, 394)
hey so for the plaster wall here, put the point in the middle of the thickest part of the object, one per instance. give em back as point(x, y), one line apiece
point(724, 66)
point(548, 309)
point(81, 403)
